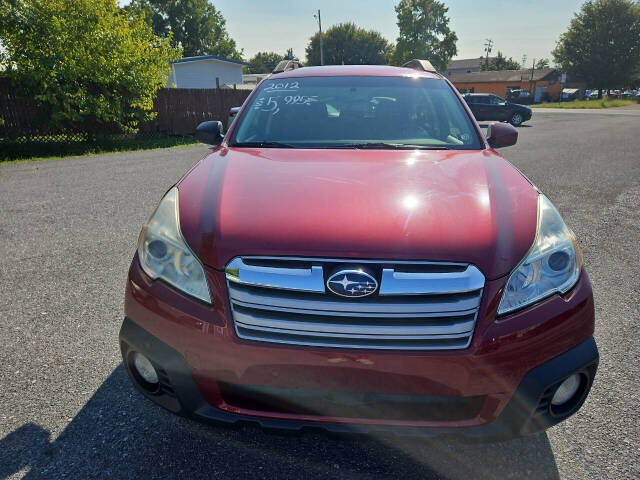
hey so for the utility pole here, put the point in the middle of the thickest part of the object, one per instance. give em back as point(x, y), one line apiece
point(532, 85)
point(317, 16)
point(533, 69)
point(487, 48)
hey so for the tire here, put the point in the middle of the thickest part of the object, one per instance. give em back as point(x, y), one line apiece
point(516, 119)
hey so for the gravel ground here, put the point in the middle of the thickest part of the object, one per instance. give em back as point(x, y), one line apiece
point(68, 229)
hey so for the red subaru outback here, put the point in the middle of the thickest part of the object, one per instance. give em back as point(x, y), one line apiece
point(354, 255)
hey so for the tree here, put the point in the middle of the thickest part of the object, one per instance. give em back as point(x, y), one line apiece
point(602, 44)
point(264, 62)
point(500, 62)
point(84, 60)
point(349, 45)
point(424, 33)
point(197, 26)
point(289, 55)
point(542, 63)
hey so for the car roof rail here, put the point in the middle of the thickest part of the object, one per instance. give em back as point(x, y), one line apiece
point(286, 65)
point(417, 64)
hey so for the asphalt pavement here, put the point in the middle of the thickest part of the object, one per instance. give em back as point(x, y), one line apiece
point(68, 230)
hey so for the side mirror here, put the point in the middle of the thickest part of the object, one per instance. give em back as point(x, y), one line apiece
point(210, 133)
point(502, 135)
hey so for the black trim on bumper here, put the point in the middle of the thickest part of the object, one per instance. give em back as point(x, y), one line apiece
point(525, 414)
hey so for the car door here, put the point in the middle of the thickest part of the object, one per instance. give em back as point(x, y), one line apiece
point(487, 108)
point(482, 107)
point(472, 102)
point(498, 109)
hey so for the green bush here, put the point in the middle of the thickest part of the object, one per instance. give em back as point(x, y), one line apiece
point(87, 62)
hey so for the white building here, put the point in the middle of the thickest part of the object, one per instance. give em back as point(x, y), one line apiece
point(207, 71)
point(254, 78)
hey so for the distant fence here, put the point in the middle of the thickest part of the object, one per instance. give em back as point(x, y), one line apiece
point(180, 110)
point(179, 113)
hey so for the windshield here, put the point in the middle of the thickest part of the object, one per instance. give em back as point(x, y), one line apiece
point(355, 112)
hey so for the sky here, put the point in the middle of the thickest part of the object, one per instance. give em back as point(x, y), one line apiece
point(517, 27)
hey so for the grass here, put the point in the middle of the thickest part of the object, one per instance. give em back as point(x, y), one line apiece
point(581, 104)
point(43, 148)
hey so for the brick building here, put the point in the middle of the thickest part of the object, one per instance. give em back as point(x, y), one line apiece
point(466, 65)
point(538, 82)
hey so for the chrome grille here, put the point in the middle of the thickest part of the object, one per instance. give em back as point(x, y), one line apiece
point(419, 305)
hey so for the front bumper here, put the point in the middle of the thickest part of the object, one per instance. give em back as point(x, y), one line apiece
point(526, 413)
point(489, 389)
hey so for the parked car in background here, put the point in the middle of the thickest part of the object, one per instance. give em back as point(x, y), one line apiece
point(593, 95)
point(570, 94)
point(489, 107)
point(521, 97)
point(357, 256)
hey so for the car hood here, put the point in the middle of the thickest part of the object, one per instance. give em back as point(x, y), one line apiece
point(461, 206)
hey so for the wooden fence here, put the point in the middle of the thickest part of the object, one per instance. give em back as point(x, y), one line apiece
point(180, 110)
point(179, 113)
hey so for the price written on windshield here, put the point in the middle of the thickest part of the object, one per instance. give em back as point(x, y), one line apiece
point(272, 104)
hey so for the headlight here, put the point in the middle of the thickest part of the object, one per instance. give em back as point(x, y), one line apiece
point(552, 265)
point(164, 254)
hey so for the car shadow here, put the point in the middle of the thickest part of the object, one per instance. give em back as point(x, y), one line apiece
point(120, 434)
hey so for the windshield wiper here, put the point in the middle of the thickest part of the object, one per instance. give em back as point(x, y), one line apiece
point(392, 146)
point(363, 146)
point(265, 144)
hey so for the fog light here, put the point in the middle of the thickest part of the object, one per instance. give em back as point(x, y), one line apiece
point(566, 390)
point(145, 368)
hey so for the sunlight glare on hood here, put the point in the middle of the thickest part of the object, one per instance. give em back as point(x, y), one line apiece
point(410, 201)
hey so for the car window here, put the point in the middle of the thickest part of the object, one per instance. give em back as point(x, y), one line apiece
point(494, 100)
point(326, 112)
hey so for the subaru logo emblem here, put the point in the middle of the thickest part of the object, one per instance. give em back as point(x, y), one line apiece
point(352, 283)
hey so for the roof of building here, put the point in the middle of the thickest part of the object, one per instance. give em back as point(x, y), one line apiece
point(467, 63)
point(354, 71)
point(502, 76)
point(212, 57)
